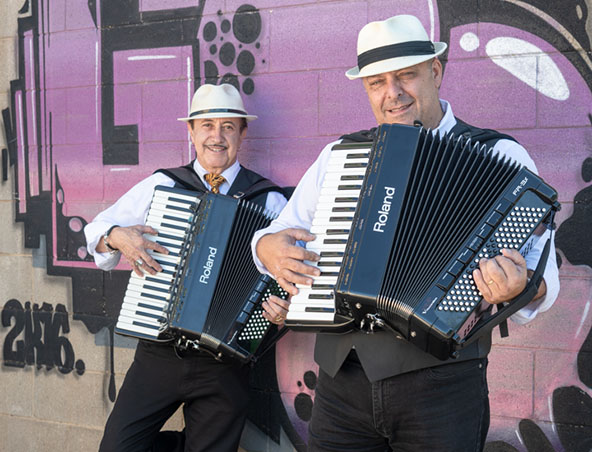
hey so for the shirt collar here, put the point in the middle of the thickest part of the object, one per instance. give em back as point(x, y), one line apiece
point(448, 121)
point(229, 174)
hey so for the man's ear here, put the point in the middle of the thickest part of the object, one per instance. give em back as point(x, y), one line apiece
point(437, 70)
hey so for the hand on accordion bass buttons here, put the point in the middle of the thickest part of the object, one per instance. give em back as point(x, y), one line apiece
point(501, 278)
point(275, 309)
point(284, 258)
point(135, 247)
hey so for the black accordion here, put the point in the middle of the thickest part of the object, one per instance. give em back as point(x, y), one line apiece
point(209, 294)
point(401, 223)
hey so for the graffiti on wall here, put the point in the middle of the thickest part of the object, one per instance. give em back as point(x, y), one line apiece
point(77, 139)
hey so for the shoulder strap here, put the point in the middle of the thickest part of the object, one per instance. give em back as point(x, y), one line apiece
point(359, 137)
point(185, 176)
point(484, 136)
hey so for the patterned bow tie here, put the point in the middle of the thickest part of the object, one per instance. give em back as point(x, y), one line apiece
point(215, 180)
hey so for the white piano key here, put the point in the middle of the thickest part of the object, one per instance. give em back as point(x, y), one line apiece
point(180, 215)
point(168, 231)
point(163, 278)
point(155, 218)
point(160, 194)
point(135, 298)
point(321, 317)
point(136, 292)
point(337, 192)
point(130, 320)
point(131, 329)
point(149, 285)
point(173, 206)
point(301, 308)
point(141, 315)
point(147, 307)
point(164, 257)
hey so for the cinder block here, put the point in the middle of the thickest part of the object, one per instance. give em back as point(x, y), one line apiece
point(8, 18)
point(287, 106)
point(51, 289)
point(510, 378)
point(16, 390)
point(319, 36)
point(469, 103)
point(553, 370)
point(567, 311)
point(15, 277)
point(31, 435)
point(291, 158)
point(11, 239)
point(59, 398)
point(8, 69)
point(338, 113)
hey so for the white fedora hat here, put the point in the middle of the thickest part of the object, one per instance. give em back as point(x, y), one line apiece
point(393, 44)
point(217, 101)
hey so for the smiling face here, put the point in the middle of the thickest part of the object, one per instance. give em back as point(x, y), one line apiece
point(406, 95)
point(216, 141)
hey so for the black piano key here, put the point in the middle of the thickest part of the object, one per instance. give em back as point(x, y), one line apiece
point(337, 231)
point(320, 296)
point(335, 241)
point(155, 297)
point(313, 309)
point(169, 236)
point(329, 263)
point(323, 286)
point(341, 219)
point(345, 199)
point(329, 274)
point(331, 254)
point(158, 289)
point(357, 156)
point(352, 177)
point(343, 209)
point(349, 187)
point(356, 165)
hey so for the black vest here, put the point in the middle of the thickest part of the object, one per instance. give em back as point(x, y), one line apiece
point(247, 185)
point(383, 355)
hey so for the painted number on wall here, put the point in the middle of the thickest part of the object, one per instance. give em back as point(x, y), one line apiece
point(35, 337)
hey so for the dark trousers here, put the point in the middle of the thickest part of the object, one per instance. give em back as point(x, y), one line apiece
point(214, 394)
point(439, 409)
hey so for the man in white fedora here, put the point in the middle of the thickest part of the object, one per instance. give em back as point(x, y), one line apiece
point(376, 392)
point(161, 378)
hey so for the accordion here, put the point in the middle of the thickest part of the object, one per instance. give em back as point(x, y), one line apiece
point(401, 223)
point(208, 295)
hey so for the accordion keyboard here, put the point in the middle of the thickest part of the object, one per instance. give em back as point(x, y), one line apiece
point(146, 301)
point(331, 224)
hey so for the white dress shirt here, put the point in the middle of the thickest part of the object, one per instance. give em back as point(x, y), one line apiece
point(299, 212)
point(132, 208)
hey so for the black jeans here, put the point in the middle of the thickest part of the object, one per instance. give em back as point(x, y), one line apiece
point(214, 394)
point(439, 409)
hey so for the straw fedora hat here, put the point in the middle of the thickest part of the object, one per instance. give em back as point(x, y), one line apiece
point(393, 44)
point(217, 101)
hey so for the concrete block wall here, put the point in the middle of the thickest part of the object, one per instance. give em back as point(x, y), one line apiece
point(90, 93)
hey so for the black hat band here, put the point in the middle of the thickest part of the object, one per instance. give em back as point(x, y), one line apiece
point(411, 48)
point(218, 110)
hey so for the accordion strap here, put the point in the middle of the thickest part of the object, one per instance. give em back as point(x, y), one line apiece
point(514, 305)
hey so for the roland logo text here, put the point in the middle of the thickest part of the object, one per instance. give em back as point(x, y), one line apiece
point(384, 211)
point(207, 268)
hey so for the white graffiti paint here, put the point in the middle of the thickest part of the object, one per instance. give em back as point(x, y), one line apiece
point(469, 42)
point(529, 64)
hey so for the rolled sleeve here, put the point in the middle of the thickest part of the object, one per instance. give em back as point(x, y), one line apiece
point(129, 210)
